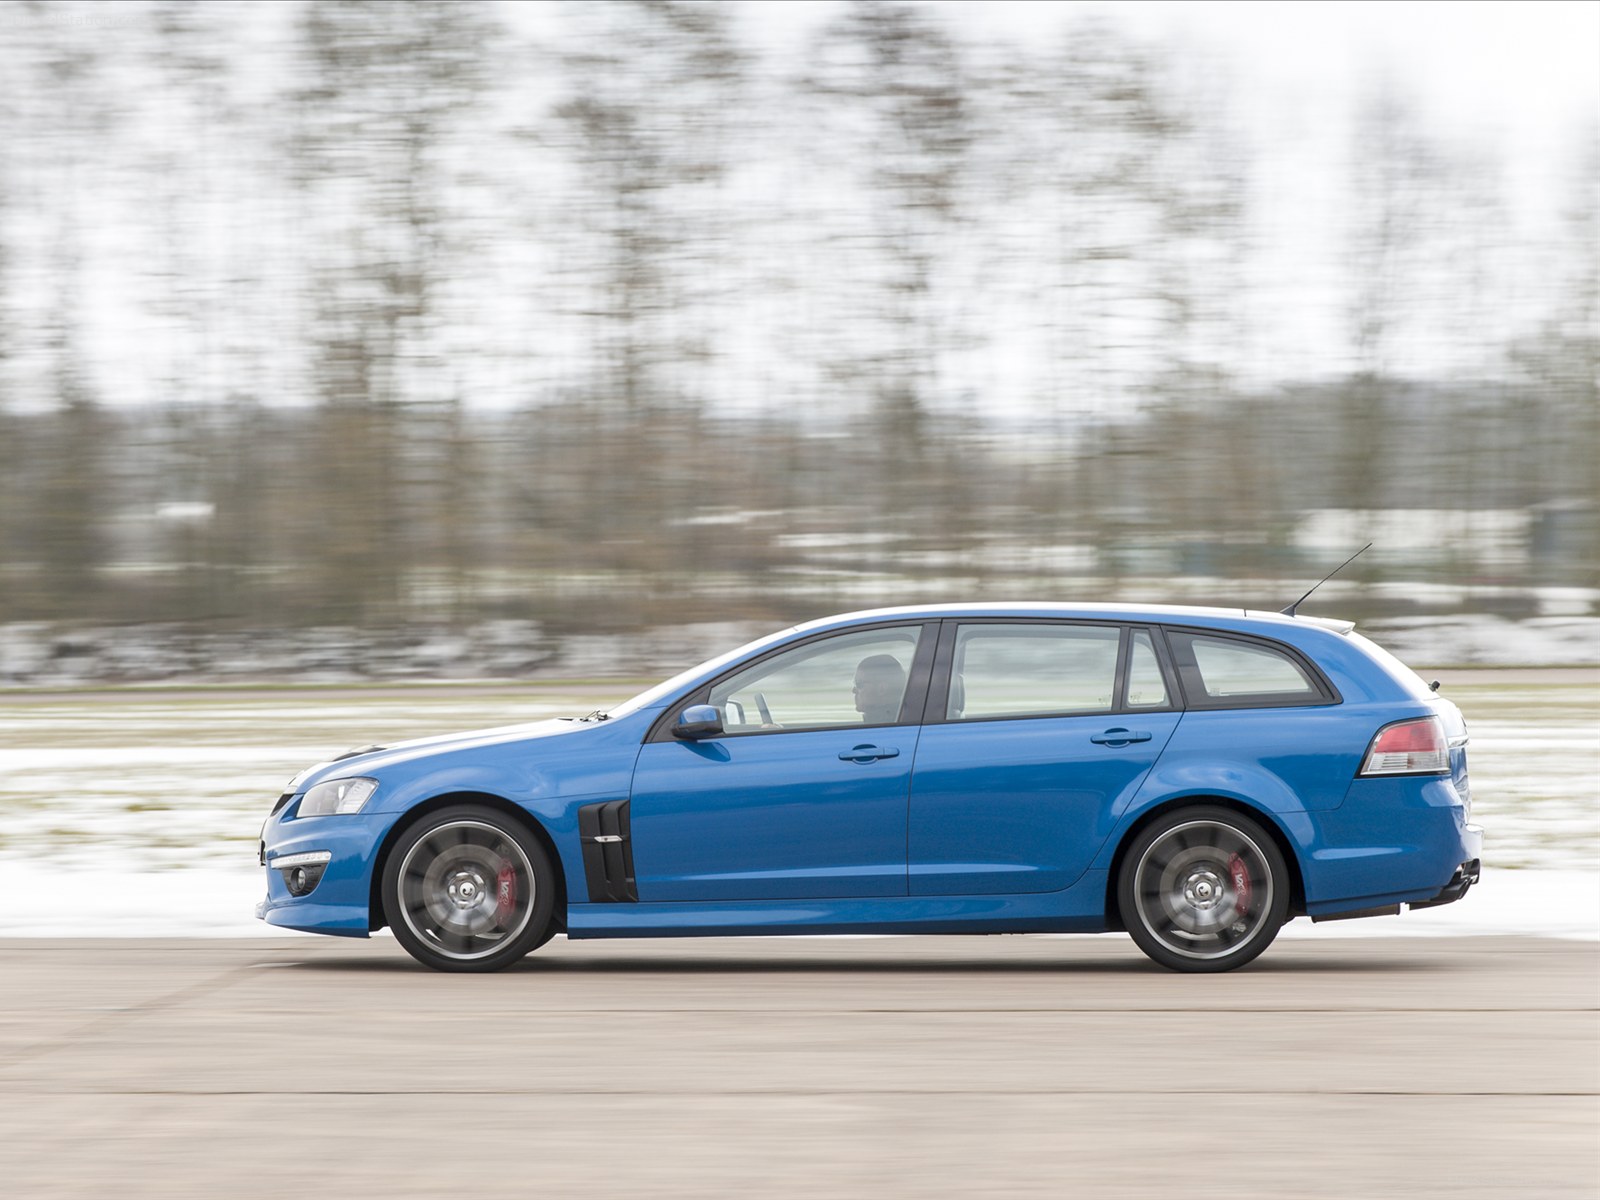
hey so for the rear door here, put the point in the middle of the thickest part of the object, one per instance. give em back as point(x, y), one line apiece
point(1037, 735)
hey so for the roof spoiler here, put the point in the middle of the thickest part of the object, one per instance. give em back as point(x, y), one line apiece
point(1339, 627)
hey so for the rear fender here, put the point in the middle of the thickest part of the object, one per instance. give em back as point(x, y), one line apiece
point(1116, 848)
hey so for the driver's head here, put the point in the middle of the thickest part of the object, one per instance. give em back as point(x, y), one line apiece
point(880, 682)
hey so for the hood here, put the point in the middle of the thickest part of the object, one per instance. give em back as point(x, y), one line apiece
point(370, 759)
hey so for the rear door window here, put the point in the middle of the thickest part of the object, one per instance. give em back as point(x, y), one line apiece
point(1032, 670)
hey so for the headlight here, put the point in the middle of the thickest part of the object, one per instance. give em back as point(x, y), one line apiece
point(337, 796)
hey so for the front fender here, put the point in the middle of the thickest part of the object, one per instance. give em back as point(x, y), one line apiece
point(547, 782)
point(522, 784)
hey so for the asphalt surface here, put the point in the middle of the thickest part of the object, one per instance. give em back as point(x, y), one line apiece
point(837, 1067)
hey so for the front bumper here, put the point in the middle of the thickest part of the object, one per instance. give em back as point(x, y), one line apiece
point(341, 901)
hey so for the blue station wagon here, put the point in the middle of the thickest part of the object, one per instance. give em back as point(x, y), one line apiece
point(1194, 777)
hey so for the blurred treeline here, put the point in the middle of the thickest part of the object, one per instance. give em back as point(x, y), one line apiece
point(622, 313)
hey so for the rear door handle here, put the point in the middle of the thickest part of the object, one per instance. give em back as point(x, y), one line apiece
point(1120, 737)
point(866, 754)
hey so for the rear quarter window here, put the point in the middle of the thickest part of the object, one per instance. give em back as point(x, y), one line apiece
point(1223, 671)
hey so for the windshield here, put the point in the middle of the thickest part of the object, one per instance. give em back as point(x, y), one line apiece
point(663, 692)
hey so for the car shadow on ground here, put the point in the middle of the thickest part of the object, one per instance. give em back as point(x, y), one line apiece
point(998, 965)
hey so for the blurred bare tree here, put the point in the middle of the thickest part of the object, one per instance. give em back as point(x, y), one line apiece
point(894, 111)
point(386, 92)
point(610, 315)
point(64, 117)
point(649, 94)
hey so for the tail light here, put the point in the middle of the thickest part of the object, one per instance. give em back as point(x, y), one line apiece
point(1415, 747)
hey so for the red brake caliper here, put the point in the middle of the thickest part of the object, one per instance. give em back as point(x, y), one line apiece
point(1241, 885)
point(506, 889)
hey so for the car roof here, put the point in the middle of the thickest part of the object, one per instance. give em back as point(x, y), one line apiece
point(1169, 614)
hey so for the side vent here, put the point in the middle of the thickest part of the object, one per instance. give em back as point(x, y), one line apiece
point(607, 852)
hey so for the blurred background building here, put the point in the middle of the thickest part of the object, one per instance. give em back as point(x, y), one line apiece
point(477, 330)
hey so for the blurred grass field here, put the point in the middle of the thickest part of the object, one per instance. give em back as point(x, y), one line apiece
point(174, 778)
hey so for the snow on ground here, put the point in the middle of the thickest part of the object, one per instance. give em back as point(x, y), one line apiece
point(1562, 628)
point(1489, 640)
point(136, 813)
point(46, 902)
point(1564, 904)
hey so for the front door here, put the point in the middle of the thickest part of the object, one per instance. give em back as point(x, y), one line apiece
point(805, 793)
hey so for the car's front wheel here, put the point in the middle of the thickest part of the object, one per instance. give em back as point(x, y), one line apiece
point(468, 888)
point(1203, 889)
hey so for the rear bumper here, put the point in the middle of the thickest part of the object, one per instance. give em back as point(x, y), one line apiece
point(1460, 883)
point(1393, 841)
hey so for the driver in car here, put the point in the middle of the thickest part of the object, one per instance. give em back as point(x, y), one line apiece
point(880, 684)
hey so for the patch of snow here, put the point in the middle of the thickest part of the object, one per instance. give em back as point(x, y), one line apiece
point(200, 902)
point(1559, 904)
point(1482, 640)
point(48, 901)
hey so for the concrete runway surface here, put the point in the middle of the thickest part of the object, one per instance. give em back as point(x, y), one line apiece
point(1402, 1067)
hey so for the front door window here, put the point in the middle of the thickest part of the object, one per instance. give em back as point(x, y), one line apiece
point(850, 679)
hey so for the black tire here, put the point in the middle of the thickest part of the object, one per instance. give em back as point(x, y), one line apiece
point(468, 888)
point(1203, 889)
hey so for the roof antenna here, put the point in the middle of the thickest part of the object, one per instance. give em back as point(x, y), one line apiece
point(1289, 612)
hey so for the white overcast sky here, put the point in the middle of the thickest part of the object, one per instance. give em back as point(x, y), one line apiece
point(1514, 65)
point(1516, 80)
point(1519, 76)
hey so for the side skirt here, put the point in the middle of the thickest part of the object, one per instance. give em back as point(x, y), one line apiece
point(1078, 909)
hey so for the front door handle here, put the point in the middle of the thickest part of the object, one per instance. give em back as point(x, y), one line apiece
point(866, 754)
point(1120, 737)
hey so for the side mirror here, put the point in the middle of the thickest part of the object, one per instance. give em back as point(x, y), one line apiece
point(698, 721)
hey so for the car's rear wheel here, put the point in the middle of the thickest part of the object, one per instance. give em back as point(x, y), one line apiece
point(1203, 889)
point(468, 888)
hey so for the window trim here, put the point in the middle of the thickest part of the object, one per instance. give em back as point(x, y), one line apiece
point(928, 682)
point(910, 704)
point(937, 707)
point(1326, 694)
